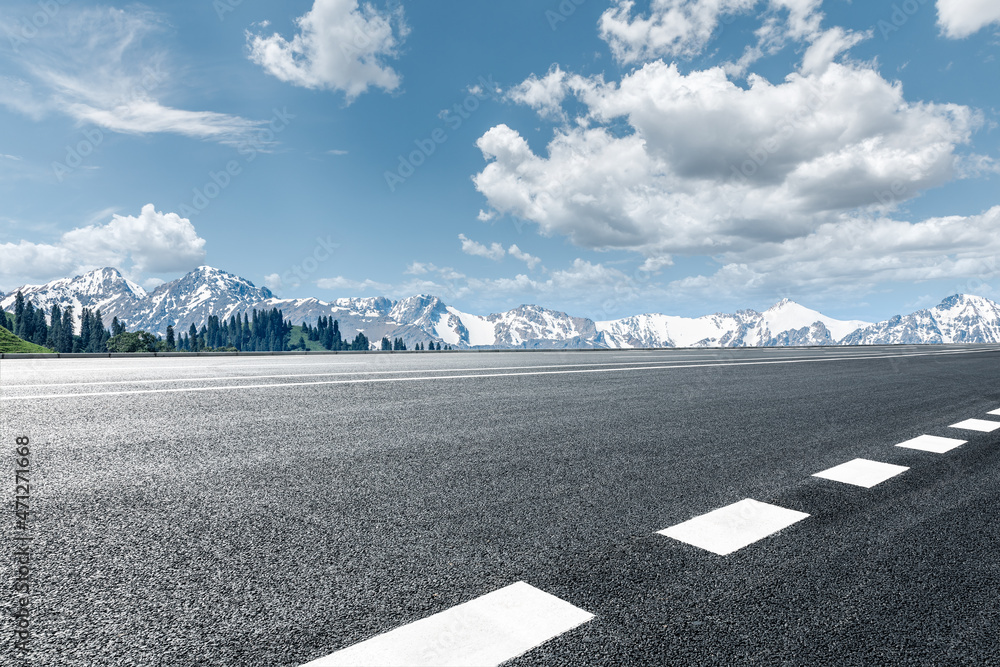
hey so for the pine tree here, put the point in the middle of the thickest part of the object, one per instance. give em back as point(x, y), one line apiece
point(19, 315)
point(28, 329)
point(386, 345)
point(66, 331)
point(171, 343)
point(39, 330)
point(86, 327)
point(55, 328)
point(193, 337)
point(98, 334)
point(338, 342)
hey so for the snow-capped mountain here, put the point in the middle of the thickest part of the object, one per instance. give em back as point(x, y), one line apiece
point(960, 318)
point(191, 299)
point(424, 318)
point(785, 323)
point(105, 289)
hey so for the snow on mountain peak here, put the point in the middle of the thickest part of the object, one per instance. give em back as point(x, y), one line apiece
point(207, 291)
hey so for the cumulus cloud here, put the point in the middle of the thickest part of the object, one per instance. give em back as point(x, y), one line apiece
point(545, 95)
point(672, 28)
point(852, 256)
point(683, 28)
point(528, 259)
point(961, 18)
point(711, 167)
point(273, 282)
point(494, 251)
point(341, 45)
point(97, 66)
point(152, 242)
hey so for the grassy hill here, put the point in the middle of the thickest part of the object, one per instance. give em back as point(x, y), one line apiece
point(11, 343)
point(311, 345)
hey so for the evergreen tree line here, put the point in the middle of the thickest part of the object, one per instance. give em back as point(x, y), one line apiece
point(261, 331)
point(264, 330)
point(57, 333)
point(398, 344)
point(327, 333)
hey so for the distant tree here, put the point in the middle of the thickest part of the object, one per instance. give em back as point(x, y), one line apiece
point(117, 327)
point(19, 315)
point(132, 341)
point(193, 337)
point(86, 329)
point(302, 343)
point(39, 331)
point(98, 334)
point(55, 328)
point(66, 331)
point(360, 342)
point(386, 345)
point(439, 346)
point(338, 341)
point(398, 344)
point(171, 342)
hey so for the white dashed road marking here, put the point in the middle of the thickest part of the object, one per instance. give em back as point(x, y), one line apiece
point(489, 630)
point(932, 443)
point(862, 472)
point(993, 412)
point(984, 425)
point(733, 527)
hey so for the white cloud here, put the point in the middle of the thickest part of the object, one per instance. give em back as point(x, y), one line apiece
point(711, 167)
point(683, 28)
point(827, 47)
point(591, 286)
point(495, 251)
point(961, 18)
point(342, 283)
point(853, 256)
point(528, 259)
point(544, 95)
point(672, 28)
point(152, 242)
point(341, 45)
point(273, 282)
point(97, 66)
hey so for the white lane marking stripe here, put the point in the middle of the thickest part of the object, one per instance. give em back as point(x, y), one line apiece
point(452, 377)
point(372, 372)
point(733, 527)
point(489, 630)
point(932, 443)
point(675, 359)
point(61, 365)
point(862, 472)
point(993, 412)
point(983, 425)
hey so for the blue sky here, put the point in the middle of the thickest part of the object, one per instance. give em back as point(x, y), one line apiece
point(602, 158)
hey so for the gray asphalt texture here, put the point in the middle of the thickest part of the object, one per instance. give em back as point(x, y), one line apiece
point(275, 525)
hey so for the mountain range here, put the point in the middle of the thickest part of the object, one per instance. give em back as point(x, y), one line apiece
point(424, 318)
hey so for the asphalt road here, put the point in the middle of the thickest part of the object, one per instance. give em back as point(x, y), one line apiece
point(273, 510)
